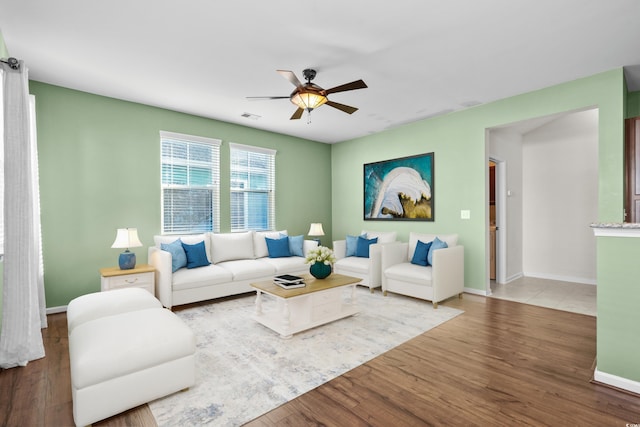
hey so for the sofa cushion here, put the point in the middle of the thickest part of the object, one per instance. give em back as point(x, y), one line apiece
point(279, 247)
point(199, 277)
point(383, 236)
point(178, 256)
point(292, 264)
point(437, 244)
point(189, 239)
point(362, 250)
point(296, 245)
point(260, 245)
point(247, 269)
point(421, 253)
point(408, 272)
point(196, 255)
point(230, 246)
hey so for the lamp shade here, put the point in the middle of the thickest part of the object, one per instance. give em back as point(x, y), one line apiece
point(316, 229)
point(127, 238)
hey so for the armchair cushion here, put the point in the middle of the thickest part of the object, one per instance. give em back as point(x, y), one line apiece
point(362, 249)
point(352, 244)
point(278, 248)
point(435, 245)
point(383, 236)
point(421, 253)
point(178, 256)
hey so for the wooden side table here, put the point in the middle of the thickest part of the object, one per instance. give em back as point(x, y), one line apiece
point(142, 276)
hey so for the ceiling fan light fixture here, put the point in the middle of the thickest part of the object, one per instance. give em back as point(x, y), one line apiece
point(308, 99)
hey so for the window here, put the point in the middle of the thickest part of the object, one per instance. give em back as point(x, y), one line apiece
point(190, 183)
point(252, 188)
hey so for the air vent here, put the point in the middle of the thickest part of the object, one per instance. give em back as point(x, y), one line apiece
point(250, 116)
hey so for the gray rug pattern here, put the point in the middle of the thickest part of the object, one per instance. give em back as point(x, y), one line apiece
point(244, 369)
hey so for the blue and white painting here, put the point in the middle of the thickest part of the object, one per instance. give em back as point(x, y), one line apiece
point(399, 189)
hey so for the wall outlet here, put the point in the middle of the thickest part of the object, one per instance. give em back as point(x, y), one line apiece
point(465, 214)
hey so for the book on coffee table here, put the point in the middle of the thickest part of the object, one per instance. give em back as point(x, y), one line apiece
point(288, 281)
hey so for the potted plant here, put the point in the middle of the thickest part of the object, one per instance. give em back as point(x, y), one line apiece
point(321, 260)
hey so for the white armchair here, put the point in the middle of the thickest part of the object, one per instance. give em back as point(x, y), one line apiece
point(437, 282)
point(367, 269)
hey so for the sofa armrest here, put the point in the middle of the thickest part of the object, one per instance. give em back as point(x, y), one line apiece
point(448, 272)
point(375, 264)
point(307, 245)
point(339, 249)
point(391, 254)
point(161, 261)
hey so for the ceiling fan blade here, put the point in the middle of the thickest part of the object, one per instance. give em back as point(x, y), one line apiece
point(347, 109)
point(289, 75)
point(253, 98)
point(358, 84)
point(297, 114)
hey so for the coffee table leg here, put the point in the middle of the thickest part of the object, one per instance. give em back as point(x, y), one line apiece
point(258, 303)
point(286, 320)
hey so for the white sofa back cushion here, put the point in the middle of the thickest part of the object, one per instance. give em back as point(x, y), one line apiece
point(230, 246)
point(450, 239)
point(383, 236)
point(260, 245)
point(189, 239)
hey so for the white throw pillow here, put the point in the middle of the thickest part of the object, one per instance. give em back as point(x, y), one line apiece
point(383, 236)
point(260, 245)
point(230, 246)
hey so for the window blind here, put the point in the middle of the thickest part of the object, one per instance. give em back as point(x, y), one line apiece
point(253, 171)
point(190, 168)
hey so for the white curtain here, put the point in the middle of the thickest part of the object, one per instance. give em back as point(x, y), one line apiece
point(24, 308)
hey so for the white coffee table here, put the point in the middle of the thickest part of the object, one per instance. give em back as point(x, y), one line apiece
point(296, 310)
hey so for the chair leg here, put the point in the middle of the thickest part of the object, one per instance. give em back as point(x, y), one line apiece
point(435, 305)
point(371, 289)
point(384, 293)
point(460, 295)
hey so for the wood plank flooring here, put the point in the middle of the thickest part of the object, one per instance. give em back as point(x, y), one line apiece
point(501, 363)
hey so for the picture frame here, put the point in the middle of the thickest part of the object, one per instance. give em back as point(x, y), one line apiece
point(400, 189)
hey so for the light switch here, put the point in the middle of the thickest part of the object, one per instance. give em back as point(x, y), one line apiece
point(465, 214)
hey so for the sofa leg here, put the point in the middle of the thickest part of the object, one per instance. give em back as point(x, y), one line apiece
point(371, 289)
point(384, 293)
point(435, 305)
point(460, 295)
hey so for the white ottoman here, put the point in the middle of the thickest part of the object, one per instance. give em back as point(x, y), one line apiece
point(127, 358)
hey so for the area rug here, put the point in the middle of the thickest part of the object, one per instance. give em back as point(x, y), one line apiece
point(244, 369)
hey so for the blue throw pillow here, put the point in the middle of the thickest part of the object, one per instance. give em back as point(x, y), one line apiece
point(278, 248)
point(421, 253)
point(352, 244)
point(196, 255)
point(178, 257)
point(295, 245)
point(363, 246)
point(435, 245)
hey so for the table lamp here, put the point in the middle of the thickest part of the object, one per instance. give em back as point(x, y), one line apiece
point(127, 238)
point(316, 230)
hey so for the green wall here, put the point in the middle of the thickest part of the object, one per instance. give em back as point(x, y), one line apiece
point(633, 104)
point(100, 170)
point(461, 156)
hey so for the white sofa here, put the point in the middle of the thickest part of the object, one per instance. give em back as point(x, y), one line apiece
point(237, 260)
point(367, 269)
point(437, 282)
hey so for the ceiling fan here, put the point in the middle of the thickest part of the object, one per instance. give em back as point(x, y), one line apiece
point(309, 95)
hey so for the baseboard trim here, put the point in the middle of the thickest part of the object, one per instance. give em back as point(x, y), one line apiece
point(54, 310)
point(616, 381)
point(513, 277)
point(474, 291)
point(571, 279)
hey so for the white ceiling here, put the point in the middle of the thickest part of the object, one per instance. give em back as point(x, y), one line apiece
point(419, 57)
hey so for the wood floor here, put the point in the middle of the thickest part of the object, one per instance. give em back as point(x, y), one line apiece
point(501, 363)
